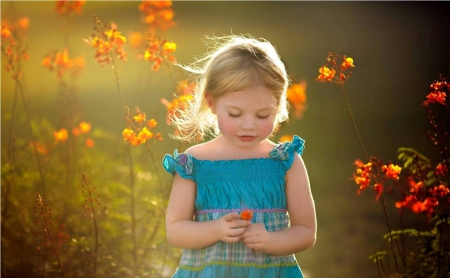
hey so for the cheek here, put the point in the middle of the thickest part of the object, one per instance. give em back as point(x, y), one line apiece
point(227, 125)
point(266, 126)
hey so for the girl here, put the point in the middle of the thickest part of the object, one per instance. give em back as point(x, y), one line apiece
point(240, 98)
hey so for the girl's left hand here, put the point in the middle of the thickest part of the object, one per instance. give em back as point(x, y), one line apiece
point(256, 237)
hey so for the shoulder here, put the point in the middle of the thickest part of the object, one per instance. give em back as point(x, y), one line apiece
point(201, 150)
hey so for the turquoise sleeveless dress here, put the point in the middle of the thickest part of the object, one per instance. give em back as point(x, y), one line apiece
point(224, 186)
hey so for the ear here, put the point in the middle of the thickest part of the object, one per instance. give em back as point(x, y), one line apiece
point(211, 103)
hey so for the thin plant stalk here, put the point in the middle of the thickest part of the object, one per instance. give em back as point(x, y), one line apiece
point(164, 203)
point(130, 160)
point(48, 233)
point(367, 159)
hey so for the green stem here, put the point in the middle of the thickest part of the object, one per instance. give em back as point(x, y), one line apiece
point(130, 160)
point(163, 205)
point(367, 159)
point(33, 140)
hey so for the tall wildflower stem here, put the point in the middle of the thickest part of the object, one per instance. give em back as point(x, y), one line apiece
point(40, 203)
point(383, 201)
point(163, 205)
point(11, 160)
point(130, 160)
point(33, 139)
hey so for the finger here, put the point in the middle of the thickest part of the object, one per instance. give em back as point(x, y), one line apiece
point(232, 239)
point(230, 216)
point(236, 232)
point(242, 223)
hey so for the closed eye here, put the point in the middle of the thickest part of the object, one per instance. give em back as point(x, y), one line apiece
point(233, 115)
point(262, 117)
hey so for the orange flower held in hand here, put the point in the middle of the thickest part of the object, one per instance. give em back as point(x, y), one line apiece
point(247, 214)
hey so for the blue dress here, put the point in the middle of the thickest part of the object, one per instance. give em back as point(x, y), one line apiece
point(224, 186)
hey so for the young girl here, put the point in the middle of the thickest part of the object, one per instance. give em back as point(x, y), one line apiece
point(240, 98)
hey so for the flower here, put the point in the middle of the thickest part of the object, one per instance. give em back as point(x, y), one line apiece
point(362, 176)
point(378, 187)
point(347, 63)
point(246, 214)
point(135, 133)
point(158, 51)
point(108, 42)
point(391, 171)
point(60, 62)
point(152, 123)
point(440, 191)
point(329, 70)
point(139, 118)
point(297, 97)
point(84, 127)
point(157, 14)
point(326, 74)
point(90, 143)
point(181, 100)
point(434, 97)
point(61, 135)
point(66, 7)
point(286, 137)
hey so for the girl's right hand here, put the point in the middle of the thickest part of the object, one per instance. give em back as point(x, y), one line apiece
point(230, 227)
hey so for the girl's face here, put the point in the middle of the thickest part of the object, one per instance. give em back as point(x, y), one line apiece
point(245, 117)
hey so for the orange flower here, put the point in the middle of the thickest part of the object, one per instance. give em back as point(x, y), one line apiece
point(152, 123)
point(326, 74)
point(181, 101)
point(135, 134)
point(347, 63)
point(6, 33)
point(108, 42)
point(128, 134)
point(145, 134)
point(440, 191)
point(66, 7)
point(378, 187)
point(297, 97)
point(158, 136)
point(90, 143)
point(391, 171)
point(61, 135)
point(286, 137)
point(76, 131)
point(362, 176)
point(61, 62)
point(136, 39)
point(84, 127)
point(414, 187)
point(157, 14)
point(140, 117)
point(158, 51)
point(434, 97)
point(246, 214)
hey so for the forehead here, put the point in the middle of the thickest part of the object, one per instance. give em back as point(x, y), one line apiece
point(259, 97)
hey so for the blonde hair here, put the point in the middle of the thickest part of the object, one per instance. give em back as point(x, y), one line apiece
point(236, 63)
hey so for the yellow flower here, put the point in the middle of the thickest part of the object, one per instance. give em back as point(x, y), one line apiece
point(61, 135)
point(152, 123)
point(84, 127)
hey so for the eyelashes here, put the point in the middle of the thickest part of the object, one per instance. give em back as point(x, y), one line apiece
point(258, 116)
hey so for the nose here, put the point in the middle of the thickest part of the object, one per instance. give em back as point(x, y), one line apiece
point(248, 123)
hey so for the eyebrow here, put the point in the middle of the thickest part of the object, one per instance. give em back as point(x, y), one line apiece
point(237, 108)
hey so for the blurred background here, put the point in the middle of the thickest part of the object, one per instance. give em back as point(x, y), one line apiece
point(398, 48)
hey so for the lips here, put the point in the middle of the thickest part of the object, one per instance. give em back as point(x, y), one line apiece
point(247, 138)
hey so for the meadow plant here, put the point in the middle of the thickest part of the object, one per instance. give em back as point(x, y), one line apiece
point(51, 232)
point(420, 186)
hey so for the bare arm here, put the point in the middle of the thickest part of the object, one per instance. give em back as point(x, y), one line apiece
point(183, 232)
point(301, 235)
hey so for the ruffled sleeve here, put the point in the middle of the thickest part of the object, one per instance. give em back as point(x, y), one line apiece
point(286, 151)
point(179, 163)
